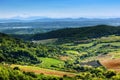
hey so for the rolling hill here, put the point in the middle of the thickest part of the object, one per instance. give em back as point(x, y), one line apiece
point(76, 33)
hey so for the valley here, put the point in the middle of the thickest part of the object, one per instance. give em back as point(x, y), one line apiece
point(67, 54)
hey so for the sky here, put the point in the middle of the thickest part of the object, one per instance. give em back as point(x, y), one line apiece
point(60, 8)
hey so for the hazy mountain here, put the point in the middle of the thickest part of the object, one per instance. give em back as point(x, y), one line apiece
point(42, 24)
point(46, 19)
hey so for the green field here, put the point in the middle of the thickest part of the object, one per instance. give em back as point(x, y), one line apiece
point(51, 63)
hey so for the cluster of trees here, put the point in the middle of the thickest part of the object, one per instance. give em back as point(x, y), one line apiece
point(15, 50)
point(97, 74)
point(7, 73)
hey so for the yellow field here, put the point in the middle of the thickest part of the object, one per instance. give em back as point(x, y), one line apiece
point(38, 70)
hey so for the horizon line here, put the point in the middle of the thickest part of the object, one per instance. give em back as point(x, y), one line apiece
point(43, 17)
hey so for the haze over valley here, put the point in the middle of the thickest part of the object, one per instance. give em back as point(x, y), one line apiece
point(29, 26)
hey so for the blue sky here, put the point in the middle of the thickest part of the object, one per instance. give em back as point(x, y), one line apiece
point(60, 8)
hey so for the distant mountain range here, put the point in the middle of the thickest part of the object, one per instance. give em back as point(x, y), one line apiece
point(46, 19)
point(31, 25)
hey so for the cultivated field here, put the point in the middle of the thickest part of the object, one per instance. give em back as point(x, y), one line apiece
point(113, 64)
point(38, 70)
